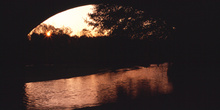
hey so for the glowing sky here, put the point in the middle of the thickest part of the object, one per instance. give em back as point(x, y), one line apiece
point(73, 18)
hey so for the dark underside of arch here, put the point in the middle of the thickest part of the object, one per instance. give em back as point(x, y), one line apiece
point(195, 44)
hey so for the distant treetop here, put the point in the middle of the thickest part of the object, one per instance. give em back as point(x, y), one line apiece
point(45, 28)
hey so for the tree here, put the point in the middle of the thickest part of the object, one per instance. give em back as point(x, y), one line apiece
point(116, 20)
point(44, 28)
point(86, 33)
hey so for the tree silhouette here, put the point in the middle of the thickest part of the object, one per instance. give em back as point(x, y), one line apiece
point(126, 21)
point(85, 33)
point(44, 28)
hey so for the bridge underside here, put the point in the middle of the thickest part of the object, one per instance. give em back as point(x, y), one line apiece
point(195, 48)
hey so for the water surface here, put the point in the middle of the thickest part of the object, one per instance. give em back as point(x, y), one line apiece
point(97, 89)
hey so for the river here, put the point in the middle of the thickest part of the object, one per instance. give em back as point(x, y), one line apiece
point(98, 89)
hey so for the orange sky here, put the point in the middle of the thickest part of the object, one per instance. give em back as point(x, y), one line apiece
point(73, 18)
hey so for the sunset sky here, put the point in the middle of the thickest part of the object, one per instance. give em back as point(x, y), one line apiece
point(73, 18)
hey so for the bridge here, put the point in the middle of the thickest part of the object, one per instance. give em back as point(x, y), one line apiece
point(196, 42)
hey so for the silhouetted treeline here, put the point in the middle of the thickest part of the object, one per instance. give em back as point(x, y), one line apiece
point(97, 50)
point(131, 37)
point(127, 22)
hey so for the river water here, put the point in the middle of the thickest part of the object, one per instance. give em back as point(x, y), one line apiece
point(97, 89)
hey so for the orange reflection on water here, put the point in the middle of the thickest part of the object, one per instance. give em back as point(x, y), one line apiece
point(96, 89)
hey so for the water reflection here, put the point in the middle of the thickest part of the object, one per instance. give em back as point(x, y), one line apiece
point(96, 89)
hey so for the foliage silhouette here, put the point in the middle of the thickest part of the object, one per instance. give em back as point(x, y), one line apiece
point(44, 28)
point(96, 50)
point(126, 21)
point(128, 37)
point(85, 33)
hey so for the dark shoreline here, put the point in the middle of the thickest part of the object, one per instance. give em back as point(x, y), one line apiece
point(56, 71)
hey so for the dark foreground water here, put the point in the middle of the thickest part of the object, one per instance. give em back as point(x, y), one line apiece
point(98, 89)
point(154, 87)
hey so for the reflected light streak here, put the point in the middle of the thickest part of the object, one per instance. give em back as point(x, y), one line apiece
point(96, 89)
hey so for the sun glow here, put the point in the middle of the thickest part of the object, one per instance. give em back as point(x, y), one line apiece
point(73, 18)
point(48, 34)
